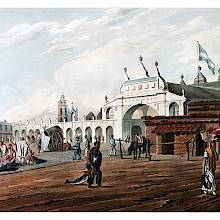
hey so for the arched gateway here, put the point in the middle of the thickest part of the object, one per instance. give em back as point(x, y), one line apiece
point(132, 120)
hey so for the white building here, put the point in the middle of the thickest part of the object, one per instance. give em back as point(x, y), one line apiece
point(121, 116)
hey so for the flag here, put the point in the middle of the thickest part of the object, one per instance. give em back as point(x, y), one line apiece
point(203, 56)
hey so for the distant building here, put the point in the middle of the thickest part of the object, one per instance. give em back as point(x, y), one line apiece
point(123, 116)
point(66, 114)
point(5, 131)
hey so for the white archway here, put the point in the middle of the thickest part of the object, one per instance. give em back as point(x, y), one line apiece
point(23, 134)
point(78, 133)
point(110, 113)
point(109, 133)
point(16, 136)
point(133, 122)
point(88, 132)
point(98, 132)
point(69, 135)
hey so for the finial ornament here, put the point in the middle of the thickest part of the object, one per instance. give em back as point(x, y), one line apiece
point(141, 61)
point(106, 99)
point(125, 70)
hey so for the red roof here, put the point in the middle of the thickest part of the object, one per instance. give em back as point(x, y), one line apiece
point(178, 128)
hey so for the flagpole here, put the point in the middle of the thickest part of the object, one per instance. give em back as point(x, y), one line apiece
point(197, 54)
point(198, 69)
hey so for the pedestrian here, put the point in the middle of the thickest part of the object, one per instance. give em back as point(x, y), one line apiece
point(87, 144)
point(4, 154)
point(11, 154)
point(22, 149)
point(78, 149)
point(88, 157)
point(112, 146)
point(208, 169)
point(103, 139)
point(3, 149)
point(149, 144)
point(144, 145)
point(96, 162)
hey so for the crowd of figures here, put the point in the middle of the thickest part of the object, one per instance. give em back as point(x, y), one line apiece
point(16, 153)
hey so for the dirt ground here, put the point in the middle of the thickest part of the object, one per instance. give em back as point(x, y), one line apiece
point(128, 185)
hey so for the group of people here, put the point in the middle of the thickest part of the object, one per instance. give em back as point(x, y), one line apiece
point(19, 152)
point(7, 154)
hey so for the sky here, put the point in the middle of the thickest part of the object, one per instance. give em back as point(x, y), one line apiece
point(83, 52)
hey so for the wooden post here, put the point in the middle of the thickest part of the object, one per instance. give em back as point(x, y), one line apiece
point(120, 149)
point(187, 148)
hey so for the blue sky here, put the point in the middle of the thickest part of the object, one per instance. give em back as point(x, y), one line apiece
point(83, 52)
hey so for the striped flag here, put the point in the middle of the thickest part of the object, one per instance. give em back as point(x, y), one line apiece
point(203, 56)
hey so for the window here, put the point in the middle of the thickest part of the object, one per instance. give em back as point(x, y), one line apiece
point(61, 111)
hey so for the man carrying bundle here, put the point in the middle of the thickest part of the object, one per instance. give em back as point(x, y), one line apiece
point(94, 162)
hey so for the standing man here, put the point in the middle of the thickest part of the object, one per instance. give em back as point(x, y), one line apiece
point(87, 144)
point(3, 149)
point(78, 149)
point(96, 162)
point(112, 146)
point(22, 149)
point(144, 145)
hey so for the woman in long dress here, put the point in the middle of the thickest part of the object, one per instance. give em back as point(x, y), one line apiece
point(208, 171)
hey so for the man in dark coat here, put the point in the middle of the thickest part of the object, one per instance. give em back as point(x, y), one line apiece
point(96, 162)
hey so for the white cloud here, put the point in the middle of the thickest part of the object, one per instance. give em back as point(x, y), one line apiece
point(42, 102)
point(107, 44)
point(23, 32)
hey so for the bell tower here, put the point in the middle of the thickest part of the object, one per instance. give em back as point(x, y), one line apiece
point(62, 109)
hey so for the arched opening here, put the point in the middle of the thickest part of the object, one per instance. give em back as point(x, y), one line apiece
point(37, 131)
point(109, 133)
point(88, 132)
point(78, 133)
point(110, 113)
point(69, 135)
point(16, 136)
point(98, 133)
point(174, 109)
point(135, 130)
point(23, 134)
point(72, 116)
point(132, 122)
point(31, 132)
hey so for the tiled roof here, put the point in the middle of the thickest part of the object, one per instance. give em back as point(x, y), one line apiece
point(196, 92)
point(178, 128)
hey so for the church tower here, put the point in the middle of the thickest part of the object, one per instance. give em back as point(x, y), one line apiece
point(62, 109)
